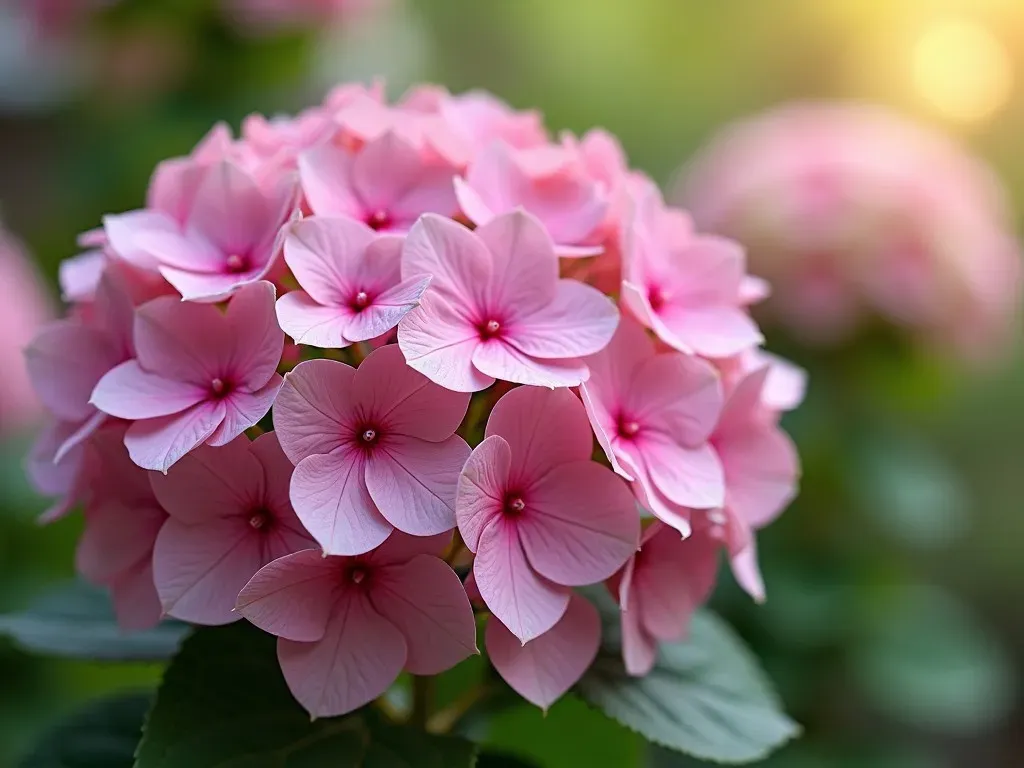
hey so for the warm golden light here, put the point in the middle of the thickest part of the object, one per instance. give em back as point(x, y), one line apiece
point(962, 69)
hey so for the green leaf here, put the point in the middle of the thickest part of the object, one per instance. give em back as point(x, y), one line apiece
point(103, 734)
point(706, 696)
point(490, 759)
point(77, 621)
point(224, 702)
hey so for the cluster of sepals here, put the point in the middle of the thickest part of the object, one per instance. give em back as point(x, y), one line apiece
point(501, 299)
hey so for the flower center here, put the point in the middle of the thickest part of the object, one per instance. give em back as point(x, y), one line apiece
point(628, 428)
point(236, 263)
point(357, 574)
point(259, 519)
point(656, 297)
point(379, 220)
point(514, 504)
point(369, 436)
point(361, 300)
point(490, 329)
point(219, 387)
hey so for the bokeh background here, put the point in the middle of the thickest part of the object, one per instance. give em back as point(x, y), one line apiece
point(894, 626)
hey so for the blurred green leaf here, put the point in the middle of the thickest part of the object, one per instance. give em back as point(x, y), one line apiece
point(503, 760)
point(925, 660)
point(706, 696)
point(224, 701)
point(103, 734)
point(76, 620)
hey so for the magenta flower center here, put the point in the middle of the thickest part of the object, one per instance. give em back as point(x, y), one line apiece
point(379, 220)
point(514, 504)
point(369, 436)
point(237, 263)
point(490, 329)
point(360, 301)
point(357, 574)
point(656, 297)
point(628, 428)
point(259, 519)
point(219, 387)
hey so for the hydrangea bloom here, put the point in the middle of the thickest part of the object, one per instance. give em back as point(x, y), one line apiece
point(442, 376)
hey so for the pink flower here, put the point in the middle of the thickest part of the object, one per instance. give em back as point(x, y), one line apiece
point(481, 118)
point(496, 309)
point(687, 288)
point(388, 183)
point(65, 479)
point(122, 519)
point(659, 589)
point(550, 182)
point(349, 625)
point(229, 516)
point(539, 514)
point(228, 239)
point(200, 375)
point(784, 385)
point(351, 281)
point(548, 666)
point(374, 450)
point(653, 414)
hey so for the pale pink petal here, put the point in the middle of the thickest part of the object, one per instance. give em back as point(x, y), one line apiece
point(211, 287)
point(358, 658)
point(747, 572)
point(786, 385)
point(548, 666)
point(184, 253)
point(761, 470)
point(84, 431)
point(64, 361)
point(413, 482)
point(257, 340)
point(308, 322)
point(678, 395)
point(79, 275)
point(136, 603)
point(158, 443)
point(405, 402)
point(244, 409)
point(313, 408)
point(578, 321)
point(635, 300)
point(471, 203)
point(200, 569)
point(500, 360)
point(711, 331)
point(543, 428)
point(326, 175)
point(612, 370)
point(124, 229)
point(166, 330)
point(689, 477)
point(605, 427)
point(524, 268)
point(293, 596)
point(639, 649)
point(456, 259)
point(323, 253)
point(754, 289)
point(439, 342)
point(426, 601)
point(528, 604)
point(330, 497)
point(580, 524)
point(651, 499)
point(129, 392)
point(386, 310)
point(481, 488)
point(230, 209)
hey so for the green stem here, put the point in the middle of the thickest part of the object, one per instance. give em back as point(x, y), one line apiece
point(422, 700)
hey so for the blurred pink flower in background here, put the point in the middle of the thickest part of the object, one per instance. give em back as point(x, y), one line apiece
point(851, 212)
point(270, 16)
point(25, 307)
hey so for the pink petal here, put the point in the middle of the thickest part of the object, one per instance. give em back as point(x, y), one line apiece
point(524, 267)
point(605, 428)
point(245, 409)
point(166, 330)
point(754, 289)
point(313, 408)
point(578, 321)
point(386, 310)
point(116, 537)
point(458, 262)
point(678, 395)
point(277, 475)
point(481, 488)
point(471, 203)
point(330, 497)
point(500, 360)
point(257, 339)
point(580, 524)
point(639, 649)
point(325, 172)
point(210, 288)
point(64, 361)
point(359, 657)
point(711, 331)
point(689, 477)
point(425, 600)
point(787, 382)
point(136, 603)
point(761, 470)
point(123, 231)
point(324, 253)
point(543, 428)
point(709, 271)
point(231, 210)
point(200, 569)
point(158, 443)
point(528, 604)
point(129, 392)
point(401, 548)
point(193, 254)
point(79, 275)
point(439, 342)
point(413, 482)
point(293, 596)
point(314, 324)
point(545, 668)
point(405, 402)
point(636, 301)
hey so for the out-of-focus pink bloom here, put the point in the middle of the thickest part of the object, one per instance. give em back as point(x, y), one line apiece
point(374, 450)
point(659, 589)
point(851, 213)
point(229, 238)
point(687, 288)
point(480, 118)
point(547, 666)
point(539, 514)
point(352, 287)
point(784, 385)
point(273, 16)
point(388, 183)
point(347, 626)
point(199, 375)
point(229, 516)
point(122, 519)
point(496, 309)
point(64, 480)
point(550, 182)
point(25, 308)
point(653, 414)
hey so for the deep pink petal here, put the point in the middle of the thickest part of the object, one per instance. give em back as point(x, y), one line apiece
point(544, 428)
point(548, 666)
point(158, 443)
point(439, 342)
point(116, 537)
point(403, 401)
point(277, 475)
point(500, 360)
point(482, 486)
point(314, 324)
point(313, 408)
point(293, 596)
point(358, 658)
point(605, 426)
point(426, 601)
point(636, 301)
point(525, 602)
point(136, 603)
point(129, 392)
point(245, 409)
point(401, 548)
point(458, 262)
point(413, 482)
point(64, 361)
point(330, 497)
point(578, 321)
point(386, 310)
point(580, 524)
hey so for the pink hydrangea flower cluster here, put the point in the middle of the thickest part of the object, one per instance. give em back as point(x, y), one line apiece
point(348, 357)
point(855, 215)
